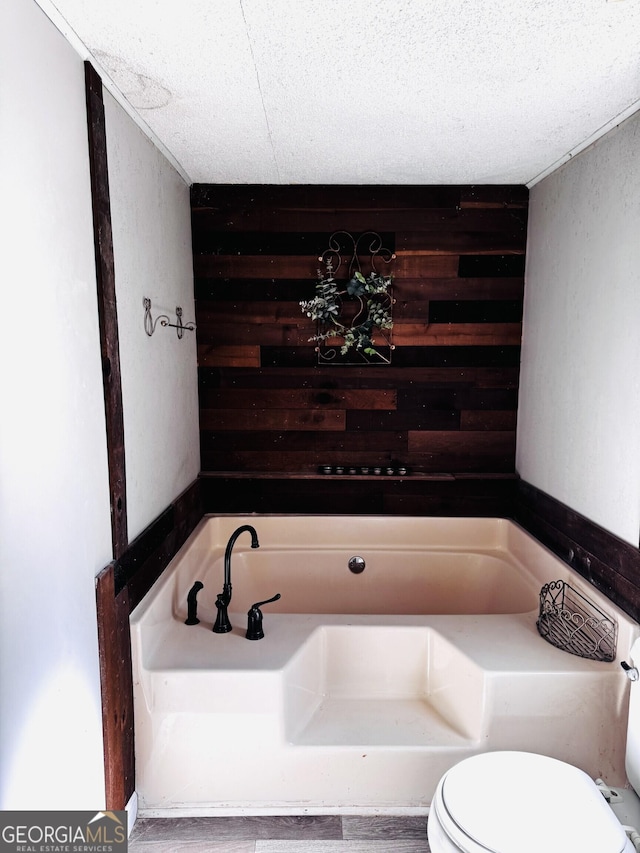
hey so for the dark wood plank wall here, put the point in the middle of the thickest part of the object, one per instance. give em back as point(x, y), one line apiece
point(609, 563)
point(447, 403)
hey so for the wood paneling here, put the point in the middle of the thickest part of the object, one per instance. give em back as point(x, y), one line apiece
point(439, 495)
point(448, 401)
point(609, 563)
point(213, 355)
point(119, 588)
point(271, 419)
point(150, 553)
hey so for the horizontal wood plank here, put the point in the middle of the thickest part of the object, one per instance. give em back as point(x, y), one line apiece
point(483, 420)
point(297, 398)
point(609, 563)
point(403, 334)
point(303, 267)
point(211, 315)
point(405, 289)
point(308, 461)
point(467, 441)
point(240, 218)
point(418, 399)
point(431, 494)
point(457, 334)
point(410, 289)
point(268, 419)
point(497, 196)
point(338, 198)
point(461, 242)
point(248, 333)
point(374, 443)
point(213, 355)
point(370, 377)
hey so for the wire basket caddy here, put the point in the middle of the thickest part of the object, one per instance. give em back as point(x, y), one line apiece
point(572, 622)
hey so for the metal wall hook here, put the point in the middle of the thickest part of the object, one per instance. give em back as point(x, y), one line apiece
point(150, 324)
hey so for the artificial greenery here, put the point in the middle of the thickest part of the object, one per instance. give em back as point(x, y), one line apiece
point(374, 310)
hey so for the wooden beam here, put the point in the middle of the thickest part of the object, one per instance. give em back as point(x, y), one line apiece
point(107, 311)
point(112, 609)
point(117, 689)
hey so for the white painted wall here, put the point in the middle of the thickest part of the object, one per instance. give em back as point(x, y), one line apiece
point(152, 245)
point(55, 532)
point(54, 501)
point(579, 410)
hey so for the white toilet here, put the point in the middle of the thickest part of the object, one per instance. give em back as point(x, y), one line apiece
point(521, 802)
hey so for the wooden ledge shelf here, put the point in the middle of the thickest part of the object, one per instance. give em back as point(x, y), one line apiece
point(438, 493)
point(314, 475)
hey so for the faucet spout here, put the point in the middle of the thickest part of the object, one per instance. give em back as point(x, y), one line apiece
point(230, 544)
point(222, 624)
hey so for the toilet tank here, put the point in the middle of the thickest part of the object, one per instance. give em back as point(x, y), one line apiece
point(632, 755)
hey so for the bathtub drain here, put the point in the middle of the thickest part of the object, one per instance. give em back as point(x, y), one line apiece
point(356, 565)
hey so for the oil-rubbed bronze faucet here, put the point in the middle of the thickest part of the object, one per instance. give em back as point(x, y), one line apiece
point(222, 624)
point(254, 618)
point(192, 604)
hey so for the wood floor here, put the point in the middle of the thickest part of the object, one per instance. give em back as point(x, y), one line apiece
point(291, 834)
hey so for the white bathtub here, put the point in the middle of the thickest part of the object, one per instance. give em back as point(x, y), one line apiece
point(366, 687)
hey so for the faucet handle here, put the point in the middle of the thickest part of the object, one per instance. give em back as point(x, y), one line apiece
point(254, 619)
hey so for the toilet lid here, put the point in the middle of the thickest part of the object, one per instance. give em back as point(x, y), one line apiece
point(506, 801)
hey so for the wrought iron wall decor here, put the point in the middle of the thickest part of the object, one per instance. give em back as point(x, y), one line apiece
point(354, 315)
point(150, 324)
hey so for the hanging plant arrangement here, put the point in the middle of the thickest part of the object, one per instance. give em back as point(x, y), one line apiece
point(354, 319)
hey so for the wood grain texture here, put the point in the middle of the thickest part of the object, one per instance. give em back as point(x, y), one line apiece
point(271, 419)
point(151, 552)
point(437, 494)
point(298, 398)
point(229, 829)
point(214, 355)
point(609, 563)
point(382, 826)
point(370, 377)
point(322, 833)
point(119, 588)
point(107, 310)
point(117, 689)
point(384, 845)
point(206, 846)
point(458, 284)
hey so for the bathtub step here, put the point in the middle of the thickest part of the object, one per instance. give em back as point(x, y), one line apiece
point(378, 722)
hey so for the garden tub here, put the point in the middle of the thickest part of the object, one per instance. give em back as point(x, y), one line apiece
point(368, 684)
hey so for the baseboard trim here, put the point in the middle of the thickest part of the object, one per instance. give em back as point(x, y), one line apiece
point(132, 812)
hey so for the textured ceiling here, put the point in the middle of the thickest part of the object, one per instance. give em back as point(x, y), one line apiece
point(367, 91)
